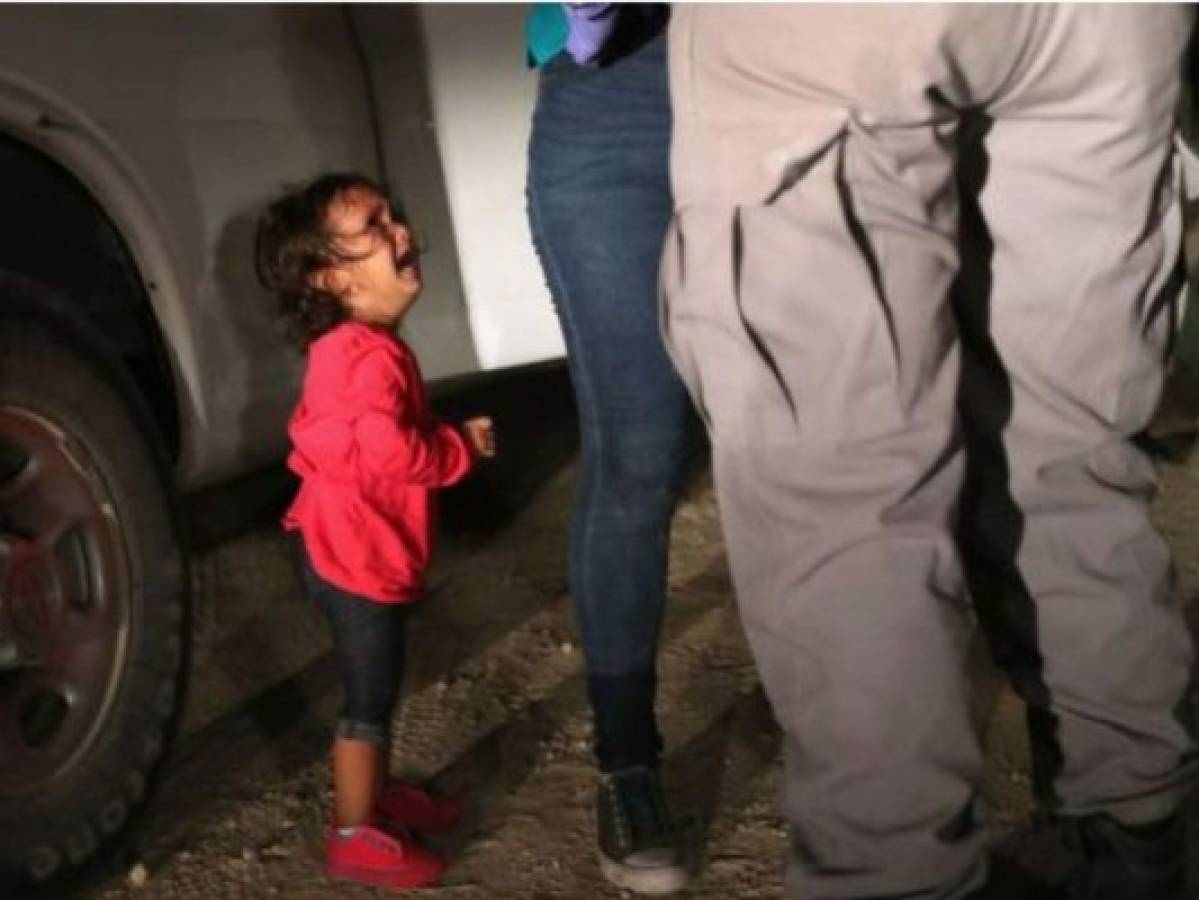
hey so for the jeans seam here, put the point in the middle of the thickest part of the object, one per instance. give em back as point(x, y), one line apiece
point(583, 384)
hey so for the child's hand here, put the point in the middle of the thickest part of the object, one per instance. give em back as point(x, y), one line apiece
point(480, 435)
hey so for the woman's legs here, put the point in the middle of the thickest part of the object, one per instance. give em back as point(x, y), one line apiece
point(599, 202)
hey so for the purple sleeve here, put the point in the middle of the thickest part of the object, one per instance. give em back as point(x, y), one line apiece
point(589, 25)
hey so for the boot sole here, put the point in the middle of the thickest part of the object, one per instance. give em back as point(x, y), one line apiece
point(655, 881)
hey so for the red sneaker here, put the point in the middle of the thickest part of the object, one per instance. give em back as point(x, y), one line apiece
point(371, 856)
point(405, 807)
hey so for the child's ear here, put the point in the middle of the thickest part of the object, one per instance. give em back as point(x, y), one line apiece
point(332, 280)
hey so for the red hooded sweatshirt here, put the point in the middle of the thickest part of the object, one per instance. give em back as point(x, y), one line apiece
point(369, 454)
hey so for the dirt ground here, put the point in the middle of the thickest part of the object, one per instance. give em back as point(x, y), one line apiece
point(493, 707)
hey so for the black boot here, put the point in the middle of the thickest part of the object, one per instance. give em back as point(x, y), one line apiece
point(1128, 862)
point(1008, 881)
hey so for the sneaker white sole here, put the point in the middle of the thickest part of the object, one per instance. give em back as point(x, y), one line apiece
point(654, 880)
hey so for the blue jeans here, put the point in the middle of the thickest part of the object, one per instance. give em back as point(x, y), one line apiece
point(368, 639)
point(599, 202)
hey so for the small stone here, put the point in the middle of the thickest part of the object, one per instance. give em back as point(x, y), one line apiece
point(249, 854)
point(440, 687)
point(139, 876)
point(567, 648)
point(275, 851)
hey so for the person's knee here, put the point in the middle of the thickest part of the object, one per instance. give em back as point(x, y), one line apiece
point(641, 480)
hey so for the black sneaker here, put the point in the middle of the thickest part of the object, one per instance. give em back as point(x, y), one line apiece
point(1126, 862)
point(637, 846)
point(1007, 881)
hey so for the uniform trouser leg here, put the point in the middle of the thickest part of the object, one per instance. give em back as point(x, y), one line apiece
point(807, 286)
point(1064, 333)
point(837, 464)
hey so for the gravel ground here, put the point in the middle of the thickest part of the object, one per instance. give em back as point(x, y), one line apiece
point(494, 707)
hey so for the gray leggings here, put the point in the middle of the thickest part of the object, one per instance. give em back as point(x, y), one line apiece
point(368, 637)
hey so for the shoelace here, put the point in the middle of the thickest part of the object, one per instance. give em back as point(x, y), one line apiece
point(377, 841)
point(383, 842)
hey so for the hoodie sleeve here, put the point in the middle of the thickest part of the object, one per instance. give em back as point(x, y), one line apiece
point(376, 428)
point(393, 436)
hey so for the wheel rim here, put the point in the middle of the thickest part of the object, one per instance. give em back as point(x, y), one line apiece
point(64, 601)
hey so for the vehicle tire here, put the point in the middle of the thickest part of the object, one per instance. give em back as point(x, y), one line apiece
point(93, 603)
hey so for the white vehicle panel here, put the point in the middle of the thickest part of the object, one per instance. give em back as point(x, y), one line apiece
point(482, 99)
point(184, 120)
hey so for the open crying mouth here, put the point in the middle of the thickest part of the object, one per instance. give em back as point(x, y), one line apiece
point(407, 261)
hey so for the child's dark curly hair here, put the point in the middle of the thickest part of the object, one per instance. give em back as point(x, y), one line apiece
point(291, 245)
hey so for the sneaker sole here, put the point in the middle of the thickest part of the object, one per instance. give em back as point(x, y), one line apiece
point(376, 878)
point(655, 881)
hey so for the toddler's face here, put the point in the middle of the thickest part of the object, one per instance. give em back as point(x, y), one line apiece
point(380, 277)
